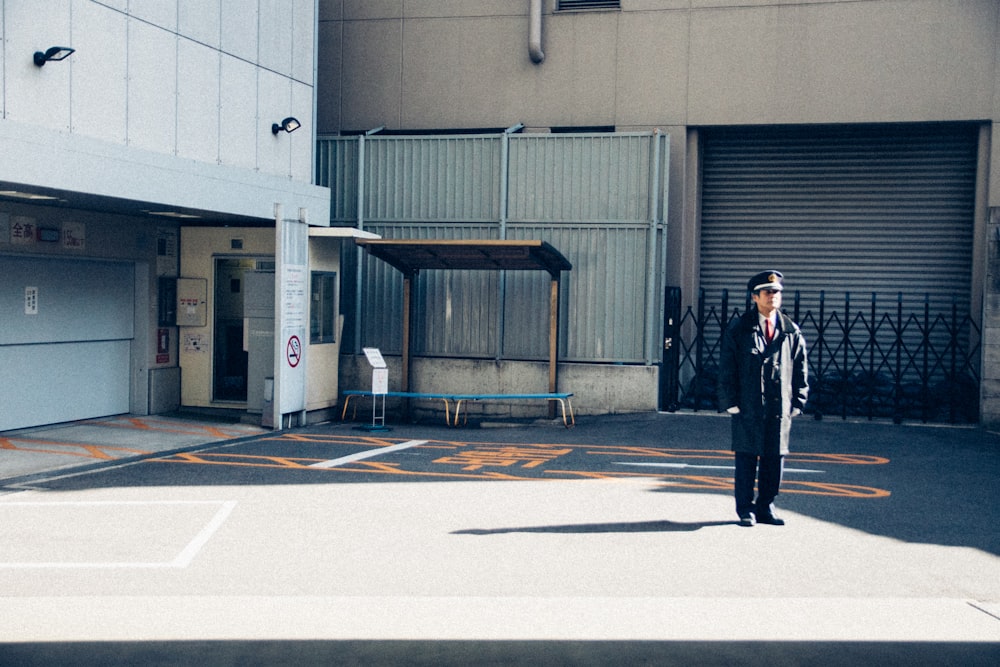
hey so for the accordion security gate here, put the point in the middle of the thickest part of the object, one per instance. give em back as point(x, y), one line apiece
point(872, 358)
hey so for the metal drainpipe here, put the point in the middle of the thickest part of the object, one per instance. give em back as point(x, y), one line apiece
point(535, 32)
point(358, 272)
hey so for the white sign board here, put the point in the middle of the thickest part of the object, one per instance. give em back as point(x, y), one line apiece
point(374, 357)
point(380, 381)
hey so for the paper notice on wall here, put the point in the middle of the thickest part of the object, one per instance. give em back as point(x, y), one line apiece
point(74, 235)
point(194, 342)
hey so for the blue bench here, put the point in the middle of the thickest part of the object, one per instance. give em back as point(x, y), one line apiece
point(564, 402)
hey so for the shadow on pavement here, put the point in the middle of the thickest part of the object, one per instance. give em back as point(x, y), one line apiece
point(583, 528)
point(360, 652)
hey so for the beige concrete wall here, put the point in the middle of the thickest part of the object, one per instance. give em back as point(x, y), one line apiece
point(597, 389)
point(415, 65)
point(677, 65)
point(199, 246)
point(323, 360)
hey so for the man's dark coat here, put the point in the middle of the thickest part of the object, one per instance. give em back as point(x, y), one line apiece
point(750, 370)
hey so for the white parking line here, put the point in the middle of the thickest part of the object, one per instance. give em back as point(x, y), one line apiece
point(333, 463)
point(182, 560)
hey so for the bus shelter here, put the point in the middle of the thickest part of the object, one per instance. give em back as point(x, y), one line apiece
point(410, 256)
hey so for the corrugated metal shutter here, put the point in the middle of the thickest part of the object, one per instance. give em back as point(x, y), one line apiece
point(884, 209)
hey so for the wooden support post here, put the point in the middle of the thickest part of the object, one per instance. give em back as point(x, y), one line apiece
point(407, 306)
point(553, 342)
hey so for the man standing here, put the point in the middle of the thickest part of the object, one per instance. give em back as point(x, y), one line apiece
point(763, 383)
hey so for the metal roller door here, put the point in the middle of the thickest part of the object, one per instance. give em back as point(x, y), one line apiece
point(66, 330)
point(884, 209)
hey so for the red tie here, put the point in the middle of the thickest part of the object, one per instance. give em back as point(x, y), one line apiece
point(768, 330)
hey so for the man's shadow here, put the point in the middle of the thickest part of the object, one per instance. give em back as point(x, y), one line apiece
point(634, 527)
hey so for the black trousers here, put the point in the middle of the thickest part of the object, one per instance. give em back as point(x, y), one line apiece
point(767, 472)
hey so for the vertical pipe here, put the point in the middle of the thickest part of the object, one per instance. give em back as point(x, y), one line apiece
point(651, 301)
point(504, 212)
point(953, 384)
point(898, 380)
point(699, 358)
point(820, 343)
point(535, 32)
point(358, 273)
point(926, 344)
point(871, 361)
point(847, 344)
point(407, 301)
point(553, 342)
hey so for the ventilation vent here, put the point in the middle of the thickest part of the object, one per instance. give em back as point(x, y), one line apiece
point(569, 5)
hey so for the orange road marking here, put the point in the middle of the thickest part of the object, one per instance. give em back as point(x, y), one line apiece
point(726, 484)
point(362, 467)
point(653, 452)
point(86, 450)
point(162, 426)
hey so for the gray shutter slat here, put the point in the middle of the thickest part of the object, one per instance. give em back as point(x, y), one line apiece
point(860, 210)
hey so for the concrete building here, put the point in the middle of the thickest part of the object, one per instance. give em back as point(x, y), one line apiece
point(150, 178)
point(146, 154)
point(850, 143)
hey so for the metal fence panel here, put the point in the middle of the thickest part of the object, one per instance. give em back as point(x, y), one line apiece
point(868, 357)
point(432, 179)
point(589, 195)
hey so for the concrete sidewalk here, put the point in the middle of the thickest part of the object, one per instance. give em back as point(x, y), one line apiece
point(29, 453)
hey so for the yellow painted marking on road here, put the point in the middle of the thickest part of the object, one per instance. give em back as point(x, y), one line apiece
point(79, 449)
point(504, 456)
point(714, 454)
point(177, 427)
point(373, 467)
point(726, 484)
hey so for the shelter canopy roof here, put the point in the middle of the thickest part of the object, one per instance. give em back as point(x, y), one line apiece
point(412, 255)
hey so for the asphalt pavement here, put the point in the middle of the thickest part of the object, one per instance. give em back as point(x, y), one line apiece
point(171, 540)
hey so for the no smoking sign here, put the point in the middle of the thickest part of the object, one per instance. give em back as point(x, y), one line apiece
point(293, 351)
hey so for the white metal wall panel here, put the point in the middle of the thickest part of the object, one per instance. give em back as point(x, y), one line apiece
point(162, 13)
point(197, 99)
point(200, 20)
point(152, 88)
point(304, 20)
point(28, 89)
point(275, 46)
point(237, 120)
point(275, 102)
point(885, 210)
point(240, 29)
point(99, 90)
point(301, 143)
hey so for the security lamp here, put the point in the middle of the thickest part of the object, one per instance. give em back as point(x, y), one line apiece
point(288, 125)
point(52, 53)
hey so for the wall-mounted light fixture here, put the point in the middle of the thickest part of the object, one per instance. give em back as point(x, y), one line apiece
point(288, 125)
point(52, 53)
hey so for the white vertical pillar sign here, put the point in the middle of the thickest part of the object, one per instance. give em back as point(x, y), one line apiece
point(291, 321)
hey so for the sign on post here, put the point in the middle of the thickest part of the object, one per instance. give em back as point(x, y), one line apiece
point(380, 386)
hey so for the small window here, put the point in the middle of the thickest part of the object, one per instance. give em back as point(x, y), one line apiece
point(569, 5)
point(323, 308)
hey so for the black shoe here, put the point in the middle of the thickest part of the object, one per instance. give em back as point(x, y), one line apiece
point(746, 520)
point(770, 519)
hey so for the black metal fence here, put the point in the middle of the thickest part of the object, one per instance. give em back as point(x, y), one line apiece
point(874, 359)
